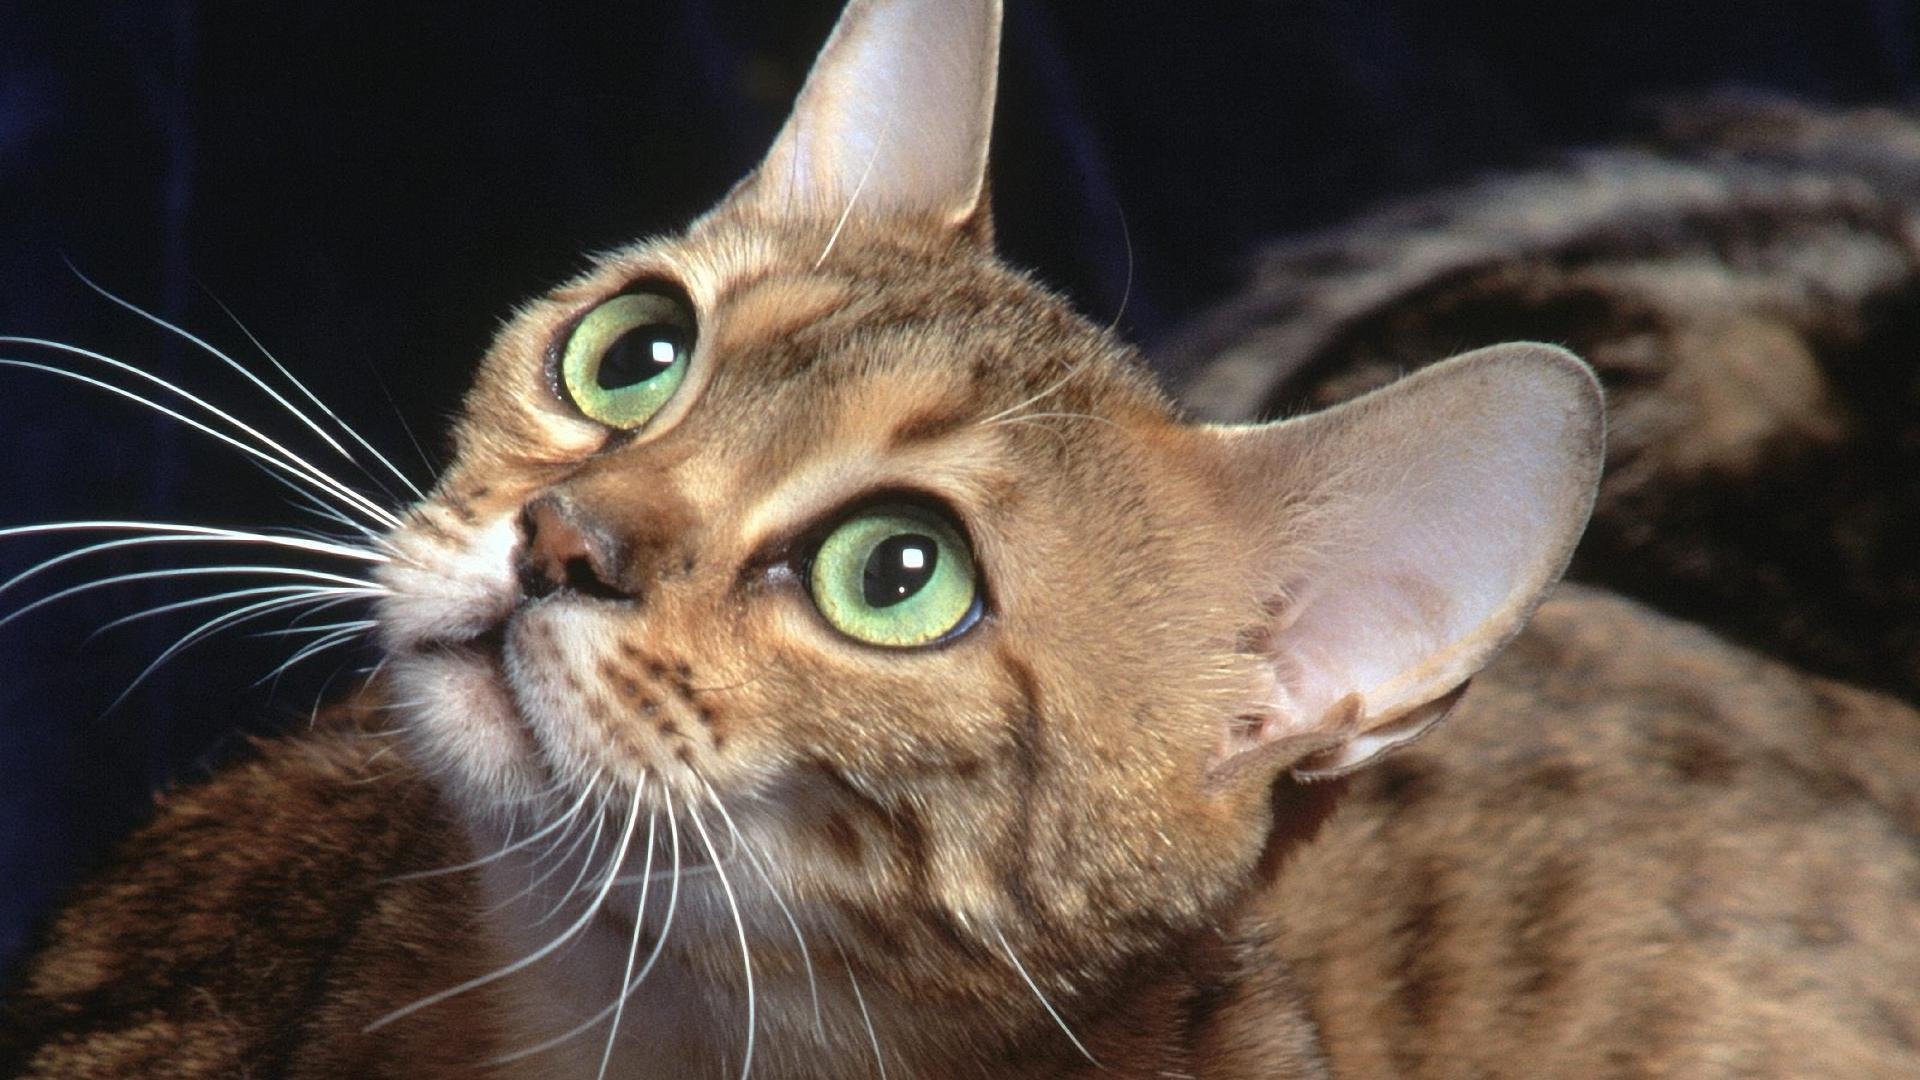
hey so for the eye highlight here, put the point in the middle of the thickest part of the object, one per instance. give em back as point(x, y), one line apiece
point(896, 575)
point(627, 356)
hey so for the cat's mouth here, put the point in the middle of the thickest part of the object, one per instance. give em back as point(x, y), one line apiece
point(488, 647)
point(483, 657)
point(522, 704)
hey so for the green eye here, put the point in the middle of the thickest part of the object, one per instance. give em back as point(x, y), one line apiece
point(896, 575)
point(626, 357)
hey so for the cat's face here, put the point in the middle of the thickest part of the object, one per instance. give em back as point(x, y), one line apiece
point(1044, 755)
point(820, 530)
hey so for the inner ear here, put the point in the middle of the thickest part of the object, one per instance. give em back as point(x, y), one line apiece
point(1401, 540)
point(893, 121)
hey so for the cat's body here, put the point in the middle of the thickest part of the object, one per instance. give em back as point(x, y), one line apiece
point(1640, 851)
point(829, 655)
point(1635, 851)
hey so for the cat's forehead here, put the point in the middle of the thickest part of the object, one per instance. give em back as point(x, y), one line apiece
point(824, 370)
point(939, 330)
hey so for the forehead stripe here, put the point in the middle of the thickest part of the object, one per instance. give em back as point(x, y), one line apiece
point(928, 424)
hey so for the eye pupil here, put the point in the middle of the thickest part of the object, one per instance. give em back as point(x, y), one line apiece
point(640, 354)
point(900, 566)
point(896, 575)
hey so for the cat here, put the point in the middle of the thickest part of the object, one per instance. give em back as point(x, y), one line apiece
point(829, 655)
point(1744, 280)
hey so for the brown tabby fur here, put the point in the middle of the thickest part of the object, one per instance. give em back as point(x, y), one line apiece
point(1746, 282)
point(1636, 851)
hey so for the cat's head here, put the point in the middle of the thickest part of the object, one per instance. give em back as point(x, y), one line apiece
point(820, 514)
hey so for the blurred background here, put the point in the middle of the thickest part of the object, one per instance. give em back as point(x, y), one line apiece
point(371, 188)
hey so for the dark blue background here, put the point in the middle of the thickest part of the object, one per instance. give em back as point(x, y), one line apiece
point(371, 187)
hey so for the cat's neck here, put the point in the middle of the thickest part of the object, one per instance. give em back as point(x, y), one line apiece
point(1220, 1006)
point(686, 1016)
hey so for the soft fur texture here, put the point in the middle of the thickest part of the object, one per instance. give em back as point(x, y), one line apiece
point(1636, 850)
point(1100, 832)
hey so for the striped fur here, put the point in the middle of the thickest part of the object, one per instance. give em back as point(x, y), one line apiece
point(1637, 851)
point(1078, 841)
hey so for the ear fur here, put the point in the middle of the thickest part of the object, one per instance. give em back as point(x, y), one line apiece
point(1402, 539)
point(893, 121)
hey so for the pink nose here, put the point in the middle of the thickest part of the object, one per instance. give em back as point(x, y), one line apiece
point(560, 551)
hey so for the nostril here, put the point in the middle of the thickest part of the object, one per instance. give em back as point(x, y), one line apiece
point(581, 577)
point(559, 552)
point(534, 582)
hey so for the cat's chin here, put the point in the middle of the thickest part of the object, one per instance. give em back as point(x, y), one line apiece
point(456, 705)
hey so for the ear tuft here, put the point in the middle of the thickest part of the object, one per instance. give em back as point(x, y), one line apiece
point(894, 120)
point(1404, 537)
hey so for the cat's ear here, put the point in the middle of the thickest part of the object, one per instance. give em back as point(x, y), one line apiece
point(1402, 538)
point(893, 121)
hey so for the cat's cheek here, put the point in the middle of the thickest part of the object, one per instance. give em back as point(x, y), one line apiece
point(565, 682)
point(604, 693)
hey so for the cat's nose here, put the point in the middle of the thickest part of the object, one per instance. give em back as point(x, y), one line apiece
point(560, 550)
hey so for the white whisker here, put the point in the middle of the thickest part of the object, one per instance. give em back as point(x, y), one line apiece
point(194, 571)
point(248, 613)
point(304, 500)
point(557, 823)
point(673, 894)
point(187, 336)
point(860, 999)
point(1052, 389)
point(599, 817)
point(1026, 417)
point(635, 879)
point(321, 596)
point(318, 628)
point(313, 592)
point(287, 461)
point(1044, 1003)
point(535, 881)
point(799, 938)
point(586, 864)
point(377, 755)
point(852, 199)
point(740, 925)
point(377, 778)
point(321, 405)
point(593, 909)
point(633, 947)
point(599, 826)
point(1126, 290)
point(659, 944)
point(333, 640)
point(174, 533)
point(369, 675)
point(406, 429)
